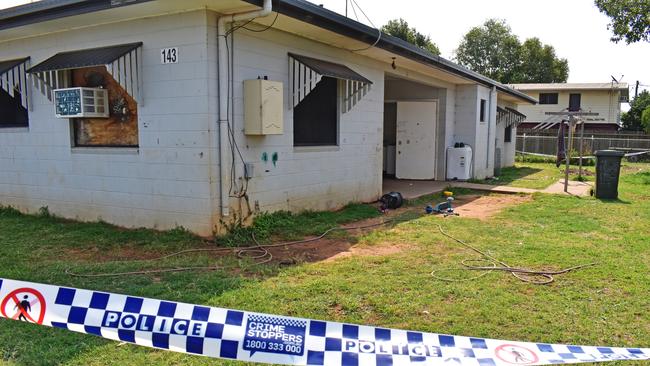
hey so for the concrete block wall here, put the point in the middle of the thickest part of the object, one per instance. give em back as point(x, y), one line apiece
point(507, 148)
point(315, 178)
point(470, 130)
point(466, 117)
point(486, 135)
point(172, 179)
point(164, 183)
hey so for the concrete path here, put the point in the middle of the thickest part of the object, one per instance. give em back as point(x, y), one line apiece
point(411, 189)
point(492, 188)
point(576, 188)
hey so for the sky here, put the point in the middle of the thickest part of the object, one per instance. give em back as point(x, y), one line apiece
point(576, 29)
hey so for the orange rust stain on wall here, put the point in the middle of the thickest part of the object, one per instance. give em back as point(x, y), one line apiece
point(120, 129)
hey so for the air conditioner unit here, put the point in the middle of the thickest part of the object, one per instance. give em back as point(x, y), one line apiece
point(81, 103)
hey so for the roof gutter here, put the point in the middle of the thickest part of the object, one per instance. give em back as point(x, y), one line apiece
point(327, 19)
point(45, 10)
point(298, 9)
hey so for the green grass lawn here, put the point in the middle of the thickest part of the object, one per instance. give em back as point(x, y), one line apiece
point(537, 175)
point(604, 305)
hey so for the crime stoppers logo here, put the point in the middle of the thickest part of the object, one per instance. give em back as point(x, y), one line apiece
point(24, 304)
point(516, 355)
point(275, 335)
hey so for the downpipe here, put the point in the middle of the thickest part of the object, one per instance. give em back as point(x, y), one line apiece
point(222, 57)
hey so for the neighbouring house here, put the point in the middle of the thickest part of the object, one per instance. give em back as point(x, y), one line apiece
point(203, 113)
point(602, 98)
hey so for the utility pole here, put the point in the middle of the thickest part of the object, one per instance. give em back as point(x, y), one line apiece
point(346, 15)
point(636, 90)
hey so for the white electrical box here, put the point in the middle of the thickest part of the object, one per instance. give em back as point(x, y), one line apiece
point(81, 103)
point(263, 107)
point(459, 162)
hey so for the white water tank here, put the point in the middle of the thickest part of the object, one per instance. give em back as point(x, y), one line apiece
point(459, 162)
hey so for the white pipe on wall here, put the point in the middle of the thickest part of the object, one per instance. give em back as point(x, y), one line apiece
point(222, 56)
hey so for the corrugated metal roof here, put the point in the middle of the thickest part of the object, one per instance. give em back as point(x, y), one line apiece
point(570, 86)
point(331, 69)
point(332, 21)
point(298, 9)
point(45, 10)
point(84, 58)
point(10, 64)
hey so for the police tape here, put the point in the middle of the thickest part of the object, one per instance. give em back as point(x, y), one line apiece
point(245, 336)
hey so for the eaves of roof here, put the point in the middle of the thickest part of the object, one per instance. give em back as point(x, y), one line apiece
point(332, 21)
point(45, 10)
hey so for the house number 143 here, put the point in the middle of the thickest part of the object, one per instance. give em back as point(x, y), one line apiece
point(169, 55)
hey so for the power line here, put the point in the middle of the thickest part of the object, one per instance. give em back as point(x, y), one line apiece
point(353, 3)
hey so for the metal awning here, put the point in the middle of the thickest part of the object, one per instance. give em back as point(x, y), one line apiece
point(306, 72)
point(331, 69)
point(13, 78)
point(509, 116)
point(123, 62)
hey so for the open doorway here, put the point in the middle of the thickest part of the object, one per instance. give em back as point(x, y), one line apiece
point(411, 131)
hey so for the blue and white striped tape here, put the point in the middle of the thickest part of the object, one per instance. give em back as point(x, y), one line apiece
point(245, 336)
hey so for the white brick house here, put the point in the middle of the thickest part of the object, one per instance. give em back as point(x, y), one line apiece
point(164, 157)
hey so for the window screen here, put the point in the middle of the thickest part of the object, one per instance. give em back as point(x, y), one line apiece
point(12, 112)
point(547, 98)
point(315, 118)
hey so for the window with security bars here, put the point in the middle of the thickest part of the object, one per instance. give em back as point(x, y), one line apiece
point(14, 93)
point(316, 117)
point(12, 112)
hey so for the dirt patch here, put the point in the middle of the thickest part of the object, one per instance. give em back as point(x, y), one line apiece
point(368, 251)
point(101, 255)
point(337, 245)
point(484, 207)
point(315, 251)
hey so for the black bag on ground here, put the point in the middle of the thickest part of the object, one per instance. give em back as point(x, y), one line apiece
point(392, 200)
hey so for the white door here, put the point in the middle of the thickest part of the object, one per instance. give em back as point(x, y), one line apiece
point(416, 140)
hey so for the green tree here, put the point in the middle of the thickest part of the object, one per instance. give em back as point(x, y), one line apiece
point(645, 119)
point(491, 50)
point(632, 119)
point(494, 51)
point(539, 64)
point(630, 19)
point(400, 28)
